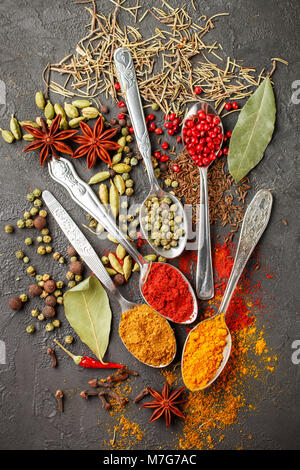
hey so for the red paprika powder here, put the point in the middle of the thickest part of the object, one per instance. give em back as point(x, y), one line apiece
point(167, 292)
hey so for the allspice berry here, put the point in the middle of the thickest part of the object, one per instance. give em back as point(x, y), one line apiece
point(119, 279)
point(104, 109)
point(76, 267)
point(48, 312)
point(50, 286)
point(35, 290)
point(71, 251)
point(15, 303)
point(40, 222)
point(50, 301)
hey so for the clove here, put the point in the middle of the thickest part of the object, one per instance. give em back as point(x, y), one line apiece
point(125, 369)
point(117, 378)
point(59, 397)
point(105, 404)
point(122, 401)
point(98, 383)
point(51, 353)
point(88, 393)
point(141, 395)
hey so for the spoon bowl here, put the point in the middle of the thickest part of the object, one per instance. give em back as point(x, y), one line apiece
point(204, 271)
point(255, 221)
point(128, 81)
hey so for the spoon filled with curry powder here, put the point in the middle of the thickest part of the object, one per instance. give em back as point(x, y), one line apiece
point(208, 345)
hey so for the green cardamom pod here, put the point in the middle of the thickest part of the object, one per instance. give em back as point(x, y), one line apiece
point(120, 251)
point(15, 128)
point(7, 136)
point(120, 184)
point(116, 158)
point(49, 122)
point(71, 111)
point(111, 272)
point(111, 238)
point(122, 141)
point(29, 123)
point(135, 267)
point(114, 200)
point(74, 123)
point(38, 121)
point(90, 112)
point(28, 137)
point(127, 267)
point(98, 177)
point(122, 168)
point(59, 110)
point(151, 257)
point(81, 103)
point(49, 110)
point(103, 194)
point(115, 263)
point(64, 125)
point(40, 100)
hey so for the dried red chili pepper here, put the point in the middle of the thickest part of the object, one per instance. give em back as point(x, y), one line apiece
point(89, 362)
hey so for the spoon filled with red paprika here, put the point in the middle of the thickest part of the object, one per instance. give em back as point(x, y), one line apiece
point(202, 134)
point(163, 286)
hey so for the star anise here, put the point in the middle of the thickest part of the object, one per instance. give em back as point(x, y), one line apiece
point(95, 143)
point(50, 141)
point(165, 403)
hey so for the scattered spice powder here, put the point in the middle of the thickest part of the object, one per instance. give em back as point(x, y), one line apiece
point(203, 352)
point(167, 292)
point(147, 335)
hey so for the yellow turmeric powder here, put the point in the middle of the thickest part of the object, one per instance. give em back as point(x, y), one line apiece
point(204, 352)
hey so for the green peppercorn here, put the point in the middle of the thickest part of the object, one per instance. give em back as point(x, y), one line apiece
point(61, 260)
point(129, 139)
point(69, 339)
point(57, 293)
point(125, 176)
point(41, 250)
point(60, 300)
point(36, 192)
point(129, 183)
point(26, 259)
point(30, 270)
point(129, 191)
point(71, 284)
point(39, 239)
point(41, 317)
point(73, 258)
point(23, 297)
point(21, 223)
point(30, 197)
point(30, 329)
point(60, 284)
point(43, 213)
point(155, 106)
point(78, 277)
point(49, 327)
point(35, 312)
point(27, 215)
point(37, 203)
point(8, 228)
point(20, 254)
point(33, 211)
point(46, 277)
point(47, 239)
point(48, 249)
point(56, 255)
point(56, 323)
point(133, 161)
point(70, 276)
point(125, 131)
point(45, 231)
point(105, 260)
point(29, 223)
point(174, 184)
point(28, 241)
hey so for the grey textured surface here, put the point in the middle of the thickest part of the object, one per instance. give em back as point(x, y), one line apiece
point(33, 33)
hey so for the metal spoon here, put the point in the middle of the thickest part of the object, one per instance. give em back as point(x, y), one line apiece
point(255, 221)
point(204, 272)
point(86, 251)
point(63, 172)
point(127, 78)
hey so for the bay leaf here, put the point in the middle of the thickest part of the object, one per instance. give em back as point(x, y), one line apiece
point(253, 131)
point(88, 312)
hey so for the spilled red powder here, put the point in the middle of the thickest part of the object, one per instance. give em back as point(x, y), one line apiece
point(168, 293)
point(222, 260)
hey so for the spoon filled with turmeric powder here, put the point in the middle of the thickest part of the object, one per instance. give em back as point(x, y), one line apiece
point(208, 345)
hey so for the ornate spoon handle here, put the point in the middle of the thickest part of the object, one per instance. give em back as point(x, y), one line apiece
point(255, 221)
point(64, 173)
point(127, 77)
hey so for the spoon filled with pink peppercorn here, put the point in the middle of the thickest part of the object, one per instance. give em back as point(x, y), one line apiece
point(203, 135)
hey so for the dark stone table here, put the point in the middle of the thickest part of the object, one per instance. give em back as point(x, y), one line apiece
point(33, 33)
